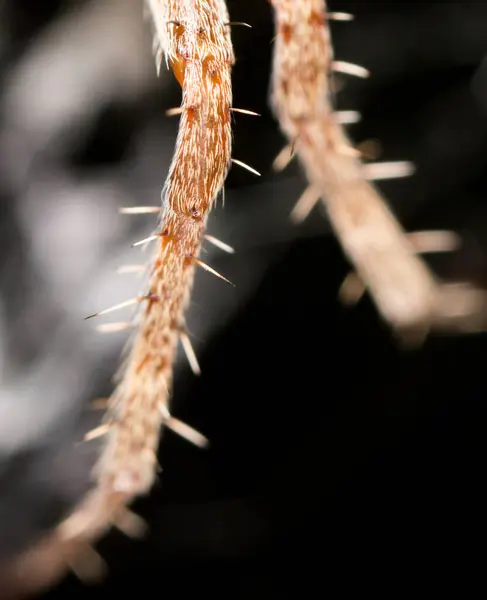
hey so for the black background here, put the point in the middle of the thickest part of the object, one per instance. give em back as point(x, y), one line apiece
point(336, 456)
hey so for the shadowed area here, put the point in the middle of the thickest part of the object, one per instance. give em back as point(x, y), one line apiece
point(332, 449)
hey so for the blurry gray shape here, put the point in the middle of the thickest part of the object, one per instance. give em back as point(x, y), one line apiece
point(68, 223)
point(96, 53)
point(93, 54)
point(39, 400)
point(3, 344)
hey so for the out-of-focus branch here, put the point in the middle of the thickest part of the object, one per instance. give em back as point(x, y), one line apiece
point(404, 290)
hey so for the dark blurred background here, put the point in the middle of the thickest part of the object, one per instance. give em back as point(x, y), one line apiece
point(334, 452)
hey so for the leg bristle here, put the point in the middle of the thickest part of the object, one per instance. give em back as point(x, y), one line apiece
point(340, 66)
point(434, 241)
point(114, 327)
point(206, 267)
point(187, 432)
point(241, 23)
point(305, 204)
point(284, 157)
point(99, 431)
point(182, 429)
point(190, 353)
point(219, 244)
point(244, 111)
point(347, 117)
point(146, 240)
point(172, 112)
point(340, 16)
point(388, 170)
point(139, 210)
point(117, 307)
point(245, 166)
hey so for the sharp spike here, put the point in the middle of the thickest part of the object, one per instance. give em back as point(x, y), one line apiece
point(182, 429)
point(388, 170)
point(114, 327)
point(146, 240)
point(284, 157)
point(206, 267)
point(190, 353)
point(434, 241)
point(187, 432)
point(232, 23)
point(159, 59)
point(245, 166)
point(116, 307)
point(347, 68)
point(244, 111)
point(139, 210)
point(347, 117)
point(340, 16)
point(219, 244)
point(172, 112)
point(305, 204)
point(97, 432)
point(129, 523)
